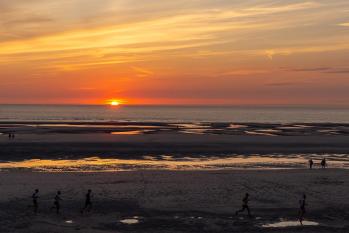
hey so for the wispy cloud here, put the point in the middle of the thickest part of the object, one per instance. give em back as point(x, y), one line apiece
point(142, 72)
point(216, 44)
point(315, 69)
point(338, 71)
point(282, 84)
point(188, 28)
point(344, 24)
point(328, 70)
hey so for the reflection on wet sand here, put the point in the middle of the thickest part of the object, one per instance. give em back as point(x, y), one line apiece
point(94, 126)
point(289, 224)
point(262, 132)
point(222, 128)
point(130, 221)
point(236, 126)
point(167, 162)
point(131, 132)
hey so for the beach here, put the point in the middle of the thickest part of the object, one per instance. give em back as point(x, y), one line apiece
point(173, 177)
point(176, 201)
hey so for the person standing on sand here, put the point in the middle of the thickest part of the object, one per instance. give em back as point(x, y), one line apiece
point(323, 163)
point(311, 163)
point(302, 211)
point(56, 203)
point(245, 206)
point(88, 202)
point(35, 197)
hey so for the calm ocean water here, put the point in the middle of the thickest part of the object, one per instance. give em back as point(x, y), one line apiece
point(94, 113)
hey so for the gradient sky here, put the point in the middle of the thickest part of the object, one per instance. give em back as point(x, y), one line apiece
point(175, 52)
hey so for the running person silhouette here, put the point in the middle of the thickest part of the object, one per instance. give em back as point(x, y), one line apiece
point(56, 203)
point(88, 202)
point(302, 211)
point(35, 197)
point(245, 206)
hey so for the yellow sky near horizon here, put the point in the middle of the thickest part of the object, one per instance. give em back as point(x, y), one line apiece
point(174, 52)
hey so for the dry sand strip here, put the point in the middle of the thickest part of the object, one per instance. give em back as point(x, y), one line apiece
point(28, 146)
point(173, 201)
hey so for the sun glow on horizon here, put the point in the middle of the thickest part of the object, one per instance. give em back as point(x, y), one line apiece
point(114, 103)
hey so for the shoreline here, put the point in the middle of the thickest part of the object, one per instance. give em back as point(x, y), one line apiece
point(169, 163)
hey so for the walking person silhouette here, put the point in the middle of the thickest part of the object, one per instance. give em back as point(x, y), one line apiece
point(35, 197)
point(302, 211)
point(245, 206)
point(323, 163)
point(56, 203)
point(88, 202)
point(311, 163)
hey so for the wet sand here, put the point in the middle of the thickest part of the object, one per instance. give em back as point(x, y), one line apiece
point(59, 145)
point(133, 140)
point(176, 201)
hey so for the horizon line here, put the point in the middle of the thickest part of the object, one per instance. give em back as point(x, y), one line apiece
point(183, 105)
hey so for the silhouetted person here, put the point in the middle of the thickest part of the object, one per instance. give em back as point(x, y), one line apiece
point(311, 163)
point(302, 211)
point(323, 163)
point(88, 202)
point(35, 197)
point(245, 206)
point(56, 203)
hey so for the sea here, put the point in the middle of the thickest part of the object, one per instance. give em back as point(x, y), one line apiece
point(238, 114)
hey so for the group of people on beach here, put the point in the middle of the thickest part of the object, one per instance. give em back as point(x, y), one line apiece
point(11, 136)
point(323, 163)
point(57, 201)
point(301, 211)
point(88, 204)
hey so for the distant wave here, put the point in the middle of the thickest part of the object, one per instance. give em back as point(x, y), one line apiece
point(95, 113)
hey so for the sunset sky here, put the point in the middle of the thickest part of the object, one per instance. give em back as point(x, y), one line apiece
point(175, 52)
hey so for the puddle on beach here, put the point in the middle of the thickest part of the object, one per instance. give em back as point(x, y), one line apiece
point(194, 131)
point(191, 126)
point(130, 221)
point(329, 131)
point(131, 132)
point(236, 126)
point(134, 132)
point(69, 221)
point(294, 127)
point(94, 126)
point(289, 224)
point(261, 132)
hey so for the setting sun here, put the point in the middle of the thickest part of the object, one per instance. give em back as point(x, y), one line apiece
point(114, 103)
